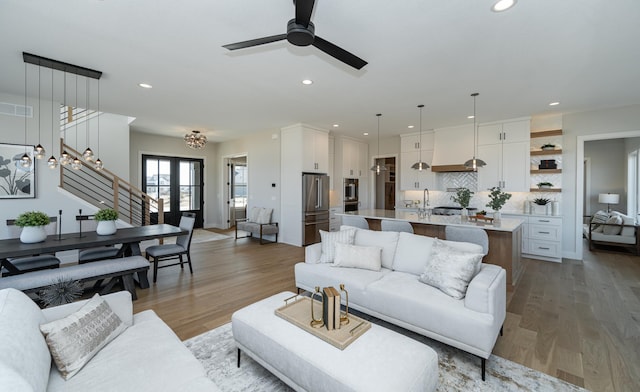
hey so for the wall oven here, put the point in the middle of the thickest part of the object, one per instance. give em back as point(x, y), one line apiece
point(350, 199)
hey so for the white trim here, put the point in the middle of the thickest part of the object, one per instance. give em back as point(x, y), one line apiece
point(587, 187)
point(580, 181)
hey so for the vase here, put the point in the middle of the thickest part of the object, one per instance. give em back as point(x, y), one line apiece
point(497, 216)
point(33, 234)
point(106, 227)
point(464, 215)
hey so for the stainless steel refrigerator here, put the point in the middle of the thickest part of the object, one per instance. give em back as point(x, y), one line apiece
point(315, 205)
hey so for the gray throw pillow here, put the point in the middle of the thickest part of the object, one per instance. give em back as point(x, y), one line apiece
point(450, 270)
point(613, 230)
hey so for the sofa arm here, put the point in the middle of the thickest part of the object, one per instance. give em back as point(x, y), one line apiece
point(487, 292)
point(120, 302)
point(312, 253)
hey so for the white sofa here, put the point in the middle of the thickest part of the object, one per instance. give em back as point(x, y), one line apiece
point(395, 294)
point(147, 356)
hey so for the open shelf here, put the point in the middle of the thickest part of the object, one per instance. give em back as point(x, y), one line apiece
point(546, 171)
point(547, 152)
point(549, 190)
point(553, 132)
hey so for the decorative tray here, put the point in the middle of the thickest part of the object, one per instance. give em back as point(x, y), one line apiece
point(479, 218)
point(299, 314)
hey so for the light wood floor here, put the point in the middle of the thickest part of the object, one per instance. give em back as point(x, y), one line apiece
point(578, 320)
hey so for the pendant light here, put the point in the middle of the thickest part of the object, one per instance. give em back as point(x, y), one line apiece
point(88, 153)
point(76, 164)
point(65, 158)
point(52, 162)
point(25, 160)
point(98, 163)
point(39, 151)
point(420, 165)
point(377, 167)
point(474, 162)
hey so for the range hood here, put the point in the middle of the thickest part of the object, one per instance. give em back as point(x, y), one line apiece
point(451, 168)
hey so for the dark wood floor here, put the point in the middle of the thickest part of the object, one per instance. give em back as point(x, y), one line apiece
point(576, 320)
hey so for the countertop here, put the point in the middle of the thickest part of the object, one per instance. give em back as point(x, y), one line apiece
point(506, 224)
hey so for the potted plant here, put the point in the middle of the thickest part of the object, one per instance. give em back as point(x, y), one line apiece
point(106, 219)
point(32, 223)
point(540, 205)
point(545, 185)
point(497, 200)
point(548, 146)
point(463, 197)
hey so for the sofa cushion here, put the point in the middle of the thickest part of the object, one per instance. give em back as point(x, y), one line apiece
point(24, 360)
point(353, 256)
point(330, 238)
point(75, 339)
point(412, 253)
point(148, 356)
point(627, 221)
point(254, 214)
point(387, 240)
point(450, 270)
point(613, 230)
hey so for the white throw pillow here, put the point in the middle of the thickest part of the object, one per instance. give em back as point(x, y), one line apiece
point(450, 270)
point(254, 215)
point(264, 216)
point(627, 221)
point(613, 230)
point(328, 241)
point(75, 339)
point(364, 257)
point(412, 253)
point(387, 240)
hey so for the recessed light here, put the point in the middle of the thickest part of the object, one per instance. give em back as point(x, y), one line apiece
point(336, 125)
point(145, 85)
point(366, 133)
point(410, 126)
point(503, 5)
point(554, 104)
point(307, 81)
point(470, 117)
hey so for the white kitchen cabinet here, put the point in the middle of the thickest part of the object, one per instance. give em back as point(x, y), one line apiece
point(315, 151)
point(334, 220)
point(354, 158)
point(504, 146)
point(332, 159)
point(453, 145)
point(411, 179)
point(413, 142)
point(541, 236)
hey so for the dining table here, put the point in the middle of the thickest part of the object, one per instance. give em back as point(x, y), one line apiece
point(129, 238)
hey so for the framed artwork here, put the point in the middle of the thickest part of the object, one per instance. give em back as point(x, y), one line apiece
point(16, 182)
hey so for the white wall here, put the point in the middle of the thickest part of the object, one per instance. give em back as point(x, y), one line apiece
point(49, 198)
point(608, 172)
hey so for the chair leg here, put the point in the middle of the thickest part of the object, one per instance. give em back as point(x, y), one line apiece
point(143, 279)
point(181, 262)
point(189, 262)
point(155, 269)
point(238, 357)
point(484, 365)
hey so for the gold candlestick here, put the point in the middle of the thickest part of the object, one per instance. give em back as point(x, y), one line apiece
point(344, 317)
point(320, 322)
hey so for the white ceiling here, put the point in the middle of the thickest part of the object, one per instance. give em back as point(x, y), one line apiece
point(583, 53)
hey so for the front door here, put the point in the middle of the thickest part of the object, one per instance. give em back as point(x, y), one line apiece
point(179, 182)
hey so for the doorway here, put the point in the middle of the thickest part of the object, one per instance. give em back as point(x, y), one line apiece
point(179, 182)
point(385, 184)
point(237, 181)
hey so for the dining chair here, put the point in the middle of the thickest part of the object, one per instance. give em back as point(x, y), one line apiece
point(468, 234)
point(355, 221)
point(394, 225)
point(20, 265)
point(182, 247)
point(97, 253)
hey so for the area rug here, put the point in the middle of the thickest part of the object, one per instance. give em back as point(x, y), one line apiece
point(459, 371)
point(199, 236)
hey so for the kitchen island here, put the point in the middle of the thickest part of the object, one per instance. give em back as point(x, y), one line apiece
point(505, 238)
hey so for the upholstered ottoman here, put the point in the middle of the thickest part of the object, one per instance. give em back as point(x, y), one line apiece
point(379, 360)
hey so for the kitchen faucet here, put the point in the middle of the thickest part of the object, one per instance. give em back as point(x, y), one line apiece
point(424, 211)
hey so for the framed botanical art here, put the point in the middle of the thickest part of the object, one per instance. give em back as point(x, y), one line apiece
point(16, 182)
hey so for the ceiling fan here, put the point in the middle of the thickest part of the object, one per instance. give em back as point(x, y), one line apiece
point(301, 32)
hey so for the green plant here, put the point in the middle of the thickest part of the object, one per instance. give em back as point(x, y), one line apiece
point(32, 218)
point(541, 201)
point(483, 212)
point(107, 214)
point(548, 145)
point(462, 197)
point(497, 198)
point(541, 184)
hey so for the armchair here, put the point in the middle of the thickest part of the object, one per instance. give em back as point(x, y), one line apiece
point(258, 223)
point(615, 229)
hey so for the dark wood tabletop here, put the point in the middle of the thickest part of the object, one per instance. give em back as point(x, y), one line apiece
point(129, 237)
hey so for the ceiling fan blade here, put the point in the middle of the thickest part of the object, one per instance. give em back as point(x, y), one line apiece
point(339, 53)
point(255, 42)
point(304, 8)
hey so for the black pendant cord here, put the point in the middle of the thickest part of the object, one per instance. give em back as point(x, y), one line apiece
point(88, 135)
point(25, 108)
point(39, 108)
point(53, 127)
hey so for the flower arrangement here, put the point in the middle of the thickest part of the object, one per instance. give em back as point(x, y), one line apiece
point(497, 198)
point(462, 197)
point(32, 218)
point(541, 201)
point(106, 214)
point(483, 212)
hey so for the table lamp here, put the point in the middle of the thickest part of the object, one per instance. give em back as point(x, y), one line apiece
point(608, 198)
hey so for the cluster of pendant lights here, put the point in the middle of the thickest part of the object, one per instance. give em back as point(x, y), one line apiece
point(65, 158)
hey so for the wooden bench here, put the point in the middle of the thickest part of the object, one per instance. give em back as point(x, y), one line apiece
point(114, 269)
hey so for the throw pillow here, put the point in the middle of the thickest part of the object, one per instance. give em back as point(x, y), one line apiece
point(254, 215)
point(613, 230)
point(628, 222)
point(450, 270)
point(598, 218)
point(412, 253)
point(75, 339)
point(364, 257)
point(264, 216)
point(387, 240)
point(328, 241)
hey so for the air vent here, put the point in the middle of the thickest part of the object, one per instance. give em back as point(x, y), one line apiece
point(11, 109)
